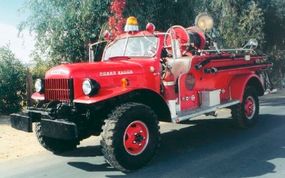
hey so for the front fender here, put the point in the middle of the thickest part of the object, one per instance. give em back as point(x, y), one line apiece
point(103, 95)
point(240, 82)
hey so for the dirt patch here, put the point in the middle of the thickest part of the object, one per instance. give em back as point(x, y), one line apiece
point(15, 144)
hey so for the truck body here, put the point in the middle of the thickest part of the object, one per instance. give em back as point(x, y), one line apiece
point(144, 77)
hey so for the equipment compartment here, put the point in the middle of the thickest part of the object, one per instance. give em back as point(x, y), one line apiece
point(210, 98)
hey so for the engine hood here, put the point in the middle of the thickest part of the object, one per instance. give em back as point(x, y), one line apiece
point(109, 75)
point(95, 70)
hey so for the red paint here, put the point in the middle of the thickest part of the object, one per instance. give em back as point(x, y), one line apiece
point(169, 87)
point(238, 84)
point(136, 137)
point(188, 99)
point(249, 107)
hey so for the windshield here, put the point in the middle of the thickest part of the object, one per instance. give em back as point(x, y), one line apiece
point(143, 46)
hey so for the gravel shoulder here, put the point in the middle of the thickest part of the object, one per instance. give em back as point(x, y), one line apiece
point(16, 144)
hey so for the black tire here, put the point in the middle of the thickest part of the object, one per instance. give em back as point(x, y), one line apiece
point(115, 136)
point(56, 146)
point(241, 117)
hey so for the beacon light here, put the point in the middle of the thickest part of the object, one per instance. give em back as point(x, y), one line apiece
point(131, 25)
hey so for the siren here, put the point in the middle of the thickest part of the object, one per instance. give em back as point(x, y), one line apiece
point(131, 24)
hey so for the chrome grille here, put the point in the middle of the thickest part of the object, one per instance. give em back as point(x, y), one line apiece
point(59, 89)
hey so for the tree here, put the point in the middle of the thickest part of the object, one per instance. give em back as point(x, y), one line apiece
point(40, 67)
point(236, 21)
point(163, 13)
point(64, 28)
point(12, 82)
point(274, 14)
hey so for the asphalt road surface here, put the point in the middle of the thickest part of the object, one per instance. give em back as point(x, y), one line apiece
point(202, 148)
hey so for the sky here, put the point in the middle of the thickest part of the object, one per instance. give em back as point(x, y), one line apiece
point(10, 18)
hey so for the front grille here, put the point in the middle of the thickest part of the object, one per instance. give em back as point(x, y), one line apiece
point(59, 89)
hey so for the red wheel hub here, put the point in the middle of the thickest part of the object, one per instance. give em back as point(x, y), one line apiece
point(136, 138)
point(249, 107)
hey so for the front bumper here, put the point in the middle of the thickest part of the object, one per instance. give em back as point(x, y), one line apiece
point(59, 129)
point(21, 122)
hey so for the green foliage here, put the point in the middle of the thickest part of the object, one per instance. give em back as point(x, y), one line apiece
point(251, 23)
point(236, 21)
point(163, 13)
point(63, 27)
point(40, 68)
point(274, 30)
point(12, 82)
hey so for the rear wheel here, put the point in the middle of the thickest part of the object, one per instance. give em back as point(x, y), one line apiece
point(246, 113)
point(54, 145)
point(130, 136)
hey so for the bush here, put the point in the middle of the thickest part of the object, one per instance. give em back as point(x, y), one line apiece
point(12, 82)
point(40, 68)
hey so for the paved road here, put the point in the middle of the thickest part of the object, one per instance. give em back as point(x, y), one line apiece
point(204, 148)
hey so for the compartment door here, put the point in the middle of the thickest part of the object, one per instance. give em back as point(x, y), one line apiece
point(188, 97)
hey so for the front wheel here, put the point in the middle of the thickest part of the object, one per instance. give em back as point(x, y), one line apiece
point(246, 113)
point(130, 136)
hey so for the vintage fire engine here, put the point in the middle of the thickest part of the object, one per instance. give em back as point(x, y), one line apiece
point(144, 77)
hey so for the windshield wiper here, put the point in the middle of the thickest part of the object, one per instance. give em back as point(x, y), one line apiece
point(118, 57)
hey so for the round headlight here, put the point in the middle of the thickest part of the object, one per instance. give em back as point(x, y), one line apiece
point(90, 87)
point(39, 86)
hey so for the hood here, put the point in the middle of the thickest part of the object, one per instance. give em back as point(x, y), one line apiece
point(109, 75)
point(94, 70)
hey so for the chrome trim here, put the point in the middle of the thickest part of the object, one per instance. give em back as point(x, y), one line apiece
point(168, 83)
point(186, 115)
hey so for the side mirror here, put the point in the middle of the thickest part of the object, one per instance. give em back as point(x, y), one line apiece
point(91, 53)
point(251, 44)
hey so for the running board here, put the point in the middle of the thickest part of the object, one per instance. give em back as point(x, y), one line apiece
point(186, 115)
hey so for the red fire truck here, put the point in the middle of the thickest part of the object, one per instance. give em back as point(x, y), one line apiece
point(144, 77)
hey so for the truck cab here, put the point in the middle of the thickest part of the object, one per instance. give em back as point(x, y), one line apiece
point(143, 77)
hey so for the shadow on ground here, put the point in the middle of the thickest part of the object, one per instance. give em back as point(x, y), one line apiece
point(210, 148)
point(273, 102)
